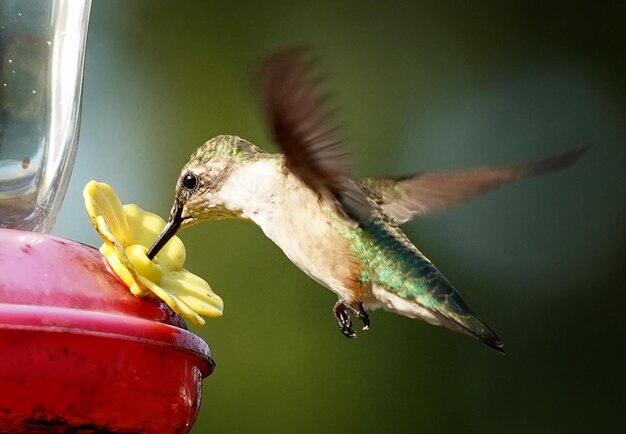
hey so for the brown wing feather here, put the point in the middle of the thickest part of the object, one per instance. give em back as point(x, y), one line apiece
point(303, 128)
point(430, 192)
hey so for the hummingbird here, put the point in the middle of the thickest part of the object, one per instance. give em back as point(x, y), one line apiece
point(342, 232)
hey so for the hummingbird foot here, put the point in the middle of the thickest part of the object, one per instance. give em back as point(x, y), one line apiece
point(342, 311)
point(342, 315)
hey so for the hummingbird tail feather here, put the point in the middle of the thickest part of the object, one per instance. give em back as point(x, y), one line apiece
point(474, 327)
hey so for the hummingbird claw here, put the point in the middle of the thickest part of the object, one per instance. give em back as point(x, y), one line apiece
point(349, 332)
point(342, 315)
point(361, 314)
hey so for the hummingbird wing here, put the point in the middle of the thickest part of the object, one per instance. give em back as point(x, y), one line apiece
point(431, 192)
point(303, 128)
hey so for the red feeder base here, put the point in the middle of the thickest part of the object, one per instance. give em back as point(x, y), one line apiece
point(79, 353)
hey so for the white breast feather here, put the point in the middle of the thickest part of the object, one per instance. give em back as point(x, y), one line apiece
point(290, 214)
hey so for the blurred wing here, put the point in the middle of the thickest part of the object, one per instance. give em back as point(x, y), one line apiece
point(431, 192)
point(302, 126)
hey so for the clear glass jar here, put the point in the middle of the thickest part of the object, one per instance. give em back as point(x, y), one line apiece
point(42, 45)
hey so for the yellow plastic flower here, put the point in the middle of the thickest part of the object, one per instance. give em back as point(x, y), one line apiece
point(127, 232)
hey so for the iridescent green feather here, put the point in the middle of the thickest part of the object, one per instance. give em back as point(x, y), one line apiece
point(390, 260)
point(231, 147)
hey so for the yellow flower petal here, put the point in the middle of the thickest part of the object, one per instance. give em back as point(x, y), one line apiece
point(117, 263)
point(127, 232)
point(194, 292)
point(176, 304)
point(101, 200)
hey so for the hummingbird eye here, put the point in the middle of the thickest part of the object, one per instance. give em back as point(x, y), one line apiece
point(190, 182)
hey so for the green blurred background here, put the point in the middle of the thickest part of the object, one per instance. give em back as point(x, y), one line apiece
point(420, 86)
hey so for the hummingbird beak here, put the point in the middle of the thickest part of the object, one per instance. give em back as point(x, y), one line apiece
point(168, 231)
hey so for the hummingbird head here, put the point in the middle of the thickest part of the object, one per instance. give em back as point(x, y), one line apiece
point(199, 186)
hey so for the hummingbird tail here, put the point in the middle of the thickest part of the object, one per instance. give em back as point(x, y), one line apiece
point(476, 328)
